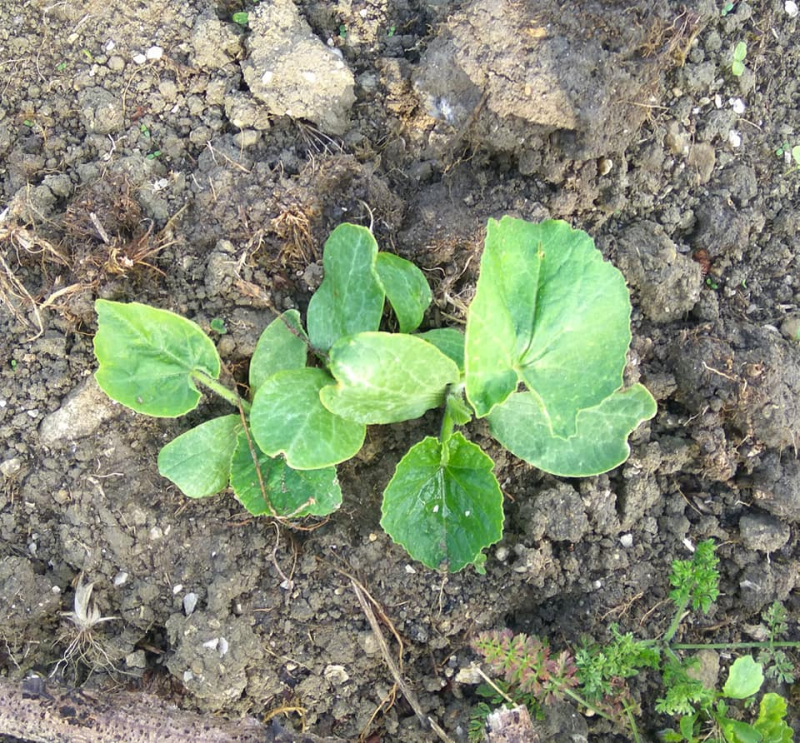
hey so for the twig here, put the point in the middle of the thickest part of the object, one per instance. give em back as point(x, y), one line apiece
point(410, 696)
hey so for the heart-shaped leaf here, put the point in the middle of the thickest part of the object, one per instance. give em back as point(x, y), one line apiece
point(600, 443)
point(351, 297)
point(291, 493)
point(406, 289)
point(147, 357)
point(281, 346)
point(288, 418)
point(199, 461)
point(444, 504)
point(386, 378)
point(548, 311)
point(449, 341)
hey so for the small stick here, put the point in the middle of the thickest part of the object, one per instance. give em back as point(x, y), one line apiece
point(411, 697)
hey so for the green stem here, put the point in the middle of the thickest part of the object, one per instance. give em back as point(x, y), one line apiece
point(735, 645)
point(580, 700)
point(448, 424)
point(631, 722)
point(676, 620)
point(221, 390)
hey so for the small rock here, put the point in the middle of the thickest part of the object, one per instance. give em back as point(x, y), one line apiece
point(136, 659)
point(101, 111)
point(707, 669)
point(790, 328)
point(154, 52)
point(11, 467)
point(293, 72)
point(189, 603)
point(139, 59)
point(626, 540)
point(336, 675)
point(215, 43)
point(81, 414)
point(760, 531)
point(469, 675)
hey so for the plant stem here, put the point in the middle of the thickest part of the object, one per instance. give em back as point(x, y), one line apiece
point(580, 700)
point(221, 390)
point(676, 620)
point(448, 424)
point(735, 645)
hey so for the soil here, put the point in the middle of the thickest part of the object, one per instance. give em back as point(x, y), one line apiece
point(154, 150)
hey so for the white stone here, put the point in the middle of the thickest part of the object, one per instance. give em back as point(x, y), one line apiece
point(791, 8)
point(154, 52)
point(139, 59)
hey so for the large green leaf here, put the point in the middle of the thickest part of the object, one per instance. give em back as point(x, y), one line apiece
point(548, 311)
point(351, 296)
point(744, 678)
point(600, 443)
point(449, 341)
point(293, 493)
point(147, 357)
point(199, 461)
point(736, 731)
point(406, 289)
point(444, 504)
point(770, 722)
point(386, 378)
point(288, 418)
point(281, 346)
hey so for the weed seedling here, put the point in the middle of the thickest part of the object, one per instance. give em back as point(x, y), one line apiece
point(218, 326)
point(739, 55)
point(549, 316)
point(241, 18)
point(595, 676)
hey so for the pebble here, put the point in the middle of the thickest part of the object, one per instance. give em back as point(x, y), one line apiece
point(120, 579)
point(11, 467)
point(762, 532)
point(189, 603)
point(626, 540)
point(791, 8)
point(139, 59)
point(154, 52)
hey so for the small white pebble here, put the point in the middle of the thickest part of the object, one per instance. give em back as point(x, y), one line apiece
point(597, 584)
point(501, 553)
point(626, 540)
point(791, 8)
point(120, 579)
point(718, 101)
point(738, 105)
point(156, 533)
point(56, 590)
point(139, 59)
point(3, 403)
point(154, 52)
point(223, 647)
point(189, 603)
point(410, 570)
point(734, 138)
point(187, 676)
point(212, 644)
point(177, 588)
point(33, 413)
point(110, 45)
point(363, 13)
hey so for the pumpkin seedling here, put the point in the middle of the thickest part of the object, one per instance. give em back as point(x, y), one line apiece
point(549, 315)
point(739, 55)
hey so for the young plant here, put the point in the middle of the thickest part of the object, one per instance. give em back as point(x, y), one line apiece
point(549, 314)
point(596, 674)
point(739, 56)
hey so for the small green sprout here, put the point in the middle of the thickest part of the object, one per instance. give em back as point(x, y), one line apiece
point(727, 8)
point(86, 53)
point(739, 55)
point(144, 130)
point(30, 124)
point(61, 66)
point(218, 326)
point(153, 155)
point(241, 18)
point(343, 31)
point(13, 364)
point(391, 32)
point(712, 283)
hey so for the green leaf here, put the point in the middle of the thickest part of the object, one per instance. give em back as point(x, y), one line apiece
point(686, 724)
point(351, 296)
point(281, 346)
point(735, 731)
point(386, 378)
point(744, 680)
point(770, 722)
point(600, 442)
point(548, 311)
point(288, 418)
point(449, 341)
point(406, 289)
point(147, 357)
point(291, 493)
point(444, 504)
point(199, 461)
